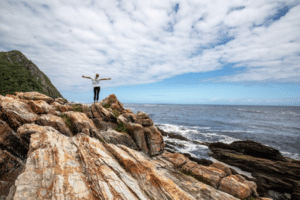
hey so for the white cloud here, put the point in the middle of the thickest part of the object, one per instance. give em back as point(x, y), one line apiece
point(136, 42)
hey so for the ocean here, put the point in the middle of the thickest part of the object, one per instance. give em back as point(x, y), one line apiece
point(274, 126)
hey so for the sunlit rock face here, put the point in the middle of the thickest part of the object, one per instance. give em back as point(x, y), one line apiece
point(81, 167)
point(17, 112)
point(55, 122)
point(50, 149)
point(34, 96)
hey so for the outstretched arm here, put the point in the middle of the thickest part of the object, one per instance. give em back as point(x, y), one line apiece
point(86, 77)
point(102, 79)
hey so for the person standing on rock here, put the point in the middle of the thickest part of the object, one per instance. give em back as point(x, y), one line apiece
point(96, 85)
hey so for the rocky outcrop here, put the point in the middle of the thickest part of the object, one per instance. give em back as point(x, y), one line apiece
point(61, 101)
point(81, 167)
point(99, 111)
point(16, 112)
point(115, 137)
point(146, 136)
point(87, 110)
point(271, 170)
point(61, 108)
point(70, 155)
point(55, 122)
point(41, 107)
point(110, 113)
point(34, 96)
point(217, 175)
point(112, 102)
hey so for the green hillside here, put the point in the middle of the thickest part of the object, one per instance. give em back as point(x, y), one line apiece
point(18, 74)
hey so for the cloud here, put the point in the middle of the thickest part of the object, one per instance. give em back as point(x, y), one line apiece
point(138, 42)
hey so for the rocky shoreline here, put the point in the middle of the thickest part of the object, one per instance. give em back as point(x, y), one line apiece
point(276, 176)
point(53, 149)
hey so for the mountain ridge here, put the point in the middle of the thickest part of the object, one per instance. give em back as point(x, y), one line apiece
point(19, 74)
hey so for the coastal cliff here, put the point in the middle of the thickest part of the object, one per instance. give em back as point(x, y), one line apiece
point(53, 149)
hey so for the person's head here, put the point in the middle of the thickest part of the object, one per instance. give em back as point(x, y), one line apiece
point(97, 75)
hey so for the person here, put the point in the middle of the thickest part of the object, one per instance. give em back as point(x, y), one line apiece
point(96, 85)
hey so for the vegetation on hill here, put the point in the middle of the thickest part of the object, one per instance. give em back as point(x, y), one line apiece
point(18, 74)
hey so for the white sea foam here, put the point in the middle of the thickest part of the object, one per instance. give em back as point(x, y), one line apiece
point(177, 129)
point(237, 131)
point(295, 156)
point(203, 137)
point(200, 127)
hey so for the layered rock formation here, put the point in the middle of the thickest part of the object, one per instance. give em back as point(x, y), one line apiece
point(271, 171)
point(51, 149)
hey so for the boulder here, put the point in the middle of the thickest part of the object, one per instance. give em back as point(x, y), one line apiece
point(142, 115)
point(62, 108)
point(103, 125)
point(11, 142)
point(100, 112)
point(112, 102)
point(115, 137)
point(145, 122)
point(130, 117)
point(222, 167)
point(79, 122)
point(17, 112)
point(155, 141)
point(11, 96)
point(25, 131)
point(41, 107)
point(137, 133)
point(34, 96)
point(237, 186)
point(209, 175)
point(61, 101)
point(55, 122)
point(127, 111)
point(87, 110)
point(178, 160)
point(122, 119)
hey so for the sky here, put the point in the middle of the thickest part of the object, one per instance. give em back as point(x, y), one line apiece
point(240, 52)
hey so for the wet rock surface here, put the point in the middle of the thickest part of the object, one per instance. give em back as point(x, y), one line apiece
point(275, 173)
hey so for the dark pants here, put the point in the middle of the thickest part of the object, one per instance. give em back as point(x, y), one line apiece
point(96, 93)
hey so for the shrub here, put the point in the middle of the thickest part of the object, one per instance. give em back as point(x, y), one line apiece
point(121, 128)
point(106, 106)
point(197, 177)
point(68, 122)
point(116, 113)
point(77, 107)
point(57, 108)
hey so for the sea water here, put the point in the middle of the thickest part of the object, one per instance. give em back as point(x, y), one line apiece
point(274, 126)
